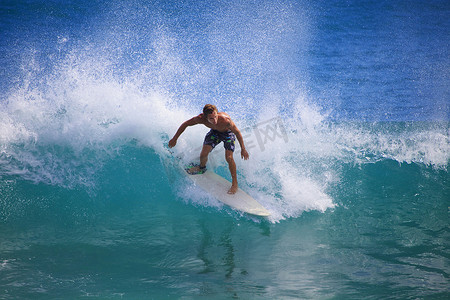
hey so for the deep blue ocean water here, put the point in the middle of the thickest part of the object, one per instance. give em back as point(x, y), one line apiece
point(344, 107)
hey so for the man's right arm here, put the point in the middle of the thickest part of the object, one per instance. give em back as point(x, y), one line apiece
point(193, 121)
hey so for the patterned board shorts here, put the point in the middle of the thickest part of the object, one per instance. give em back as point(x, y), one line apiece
point(214, 137)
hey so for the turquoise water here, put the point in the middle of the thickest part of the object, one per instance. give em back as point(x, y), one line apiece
point(344, 110)
point(133, 234)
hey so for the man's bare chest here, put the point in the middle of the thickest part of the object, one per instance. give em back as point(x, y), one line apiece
point(218, 127)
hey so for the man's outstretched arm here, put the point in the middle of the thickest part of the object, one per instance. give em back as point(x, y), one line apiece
point(237, 132)
point(182, 128)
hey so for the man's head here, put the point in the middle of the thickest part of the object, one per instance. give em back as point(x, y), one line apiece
point(210, 113)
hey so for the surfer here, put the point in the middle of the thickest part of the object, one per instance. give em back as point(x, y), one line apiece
point(223, 130)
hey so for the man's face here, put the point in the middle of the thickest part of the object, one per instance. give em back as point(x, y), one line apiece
point(212, 118)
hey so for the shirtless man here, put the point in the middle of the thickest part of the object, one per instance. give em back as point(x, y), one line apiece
point(223, 130)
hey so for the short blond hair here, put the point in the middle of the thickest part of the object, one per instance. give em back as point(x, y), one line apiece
point(209, 109)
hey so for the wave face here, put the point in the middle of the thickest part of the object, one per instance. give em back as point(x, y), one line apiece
point(346, 121)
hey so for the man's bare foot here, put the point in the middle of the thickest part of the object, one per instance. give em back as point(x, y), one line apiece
point(193, 170)
point(233, 189)
point(196, 170)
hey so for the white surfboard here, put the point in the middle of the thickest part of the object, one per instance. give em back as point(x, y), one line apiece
point(217, 186)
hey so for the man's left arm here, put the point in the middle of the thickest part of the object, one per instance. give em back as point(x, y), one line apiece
point(237, 132)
